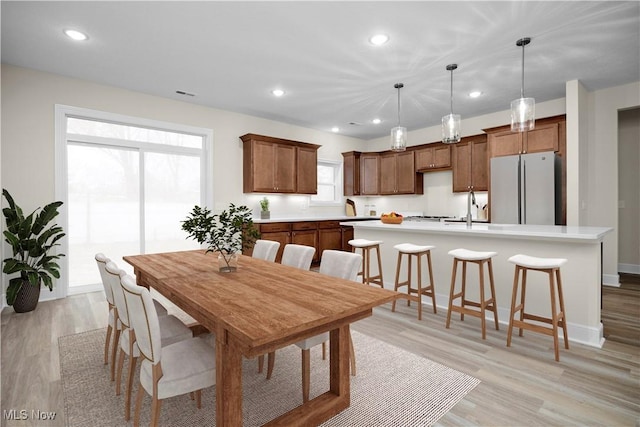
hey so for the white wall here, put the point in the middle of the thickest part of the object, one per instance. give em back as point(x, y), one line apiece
point(629, 191)
point(601, 181)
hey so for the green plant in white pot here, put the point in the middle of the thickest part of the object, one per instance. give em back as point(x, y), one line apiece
point(227, 233)
point(32, 241)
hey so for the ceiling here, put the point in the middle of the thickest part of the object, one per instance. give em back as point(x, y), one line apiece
point(230, 55)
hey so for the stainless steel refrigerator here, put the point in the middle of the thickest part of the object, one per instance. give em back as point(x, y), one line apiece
point(525, 189)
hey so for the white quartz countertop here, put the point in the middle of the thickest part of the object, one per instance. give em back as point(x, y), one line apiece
point(314, 218)
point(514, 231)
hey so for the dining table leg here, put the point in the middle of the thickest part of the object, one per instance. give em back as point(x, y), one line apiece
point(228, 381)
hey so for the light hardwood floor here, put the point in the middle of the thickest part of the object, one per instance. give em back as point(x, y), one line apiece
point(521, 385)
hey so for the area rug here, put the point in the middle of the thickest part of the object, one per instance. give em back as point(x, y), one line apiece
point(392, 388)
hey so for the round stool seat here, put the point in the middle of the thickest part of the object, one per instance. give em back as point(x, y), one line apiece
point(467, 255)
point(363, 243)
point(410, 248)
point(535, 262)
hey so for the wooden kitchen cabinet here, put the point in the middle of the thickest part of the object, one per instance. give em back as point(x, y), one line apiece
point(275, 165)
point(470, 164)
point(329, 236)
point(398, 174)
point(278, 232)
point(351, 173)
point(544, 137)
point(435, 156)
point(305, 233)
point(369, 174)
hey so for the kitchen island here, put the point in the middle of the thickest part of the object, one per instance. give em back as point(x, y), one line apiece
point(581, 276)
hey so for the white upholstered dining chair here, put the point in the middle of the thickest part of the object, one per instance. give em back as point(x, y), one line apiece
point(172, 330)
point(187, 366)
point(113, 325)
point(298, 256)
point(344, 265)
point(266, 249)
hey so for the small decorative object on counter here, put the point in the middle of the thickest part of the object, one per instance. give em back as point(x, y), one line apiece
point(372, 210)
point(227, 233)
point(264, 208)
point(391, 218)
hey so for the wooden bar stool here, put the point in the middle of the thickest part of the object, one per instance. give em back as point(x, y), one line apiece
point(415, 294)
point(367, 246)
point(551, 266)
point(480, 258)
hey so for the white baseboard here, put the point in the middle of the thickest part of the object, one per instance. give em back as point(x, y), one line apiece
point(629, 268)
point(611, 280)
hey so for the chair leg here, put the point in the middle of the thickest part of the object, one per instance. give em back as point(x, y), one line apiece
point(379, 266)
point(433, 287)
point(139, 396)
point(523, 293)
point(119, 373)
point(554, 316)
point(114, 350)
point(564, 315)
point(127, 402)
point(419, 284)
point(155, 411)
point(398, 266)
point(106, 345)
point(451, 290)
point(260, 363)
point(483, 302)
point(493, 296)
point(306, 373)
point(198, 394)
point(271, 360)
point(513, 305)
point(464, 287)
point(408, 280)
point(324, 350)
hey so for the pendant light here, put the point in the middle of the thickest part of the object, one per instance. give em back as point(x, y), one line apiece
point(523, 109)
point(451, 122)
point(398, 133)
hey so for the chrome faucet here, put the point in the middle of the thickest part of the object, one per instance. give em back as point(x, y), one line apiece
point(471, 199)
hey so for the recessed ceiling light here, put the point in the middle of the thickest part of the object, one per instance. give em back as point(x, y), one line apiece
point(76, 35)
point(376, 121)
point(277, 92)
point(475, 94)
point(379, 39)
point(335, 129)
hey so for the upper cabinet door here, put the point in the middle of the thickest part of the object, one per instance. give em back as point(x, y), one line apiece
point(307, 178)
point(543, 137)
point(369, 174)
point(505, 143)
point(435, 156)
point(405, 173)
point(388, 174)
point(275, 165)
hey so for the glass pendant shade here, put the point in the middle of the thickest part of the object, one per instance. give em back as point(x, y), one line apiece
point(398, 138)
point(451, 122)
point(523, 113)
point(451, 128)
point(523, 110)
point(398, 133)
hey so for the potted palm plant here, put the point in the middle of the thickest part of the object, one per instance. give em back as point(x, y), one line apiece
point(227, 233)
point(32, 241)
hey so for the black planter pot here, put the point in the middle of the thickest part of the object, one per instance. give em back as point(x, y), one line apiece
point(27, 298)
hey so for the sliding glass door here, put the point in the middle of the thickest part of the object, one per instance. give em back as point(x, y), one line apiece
point(127, 189)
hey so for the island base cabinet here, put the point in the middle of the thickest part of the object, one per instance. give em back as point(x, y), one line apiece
point(581, 275)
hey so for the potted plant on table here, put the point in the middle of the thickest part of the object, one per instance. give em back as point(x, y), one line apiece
point(264, 208)
point(32, 241)
point(227, 233)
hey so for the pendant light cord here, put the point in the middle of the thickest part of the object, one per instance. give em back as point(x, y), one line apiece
point(522, 87)
point(452, 91)
point(398, 86)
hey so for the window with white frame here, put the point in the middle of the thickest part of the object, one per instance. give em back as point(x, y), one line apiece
point(127, 184)
point(329, 184)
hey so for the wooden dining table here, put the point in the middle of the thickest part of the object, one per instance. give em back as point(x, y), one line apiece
point(257, 309)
